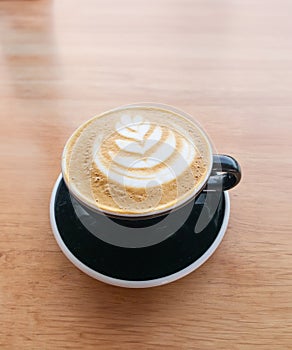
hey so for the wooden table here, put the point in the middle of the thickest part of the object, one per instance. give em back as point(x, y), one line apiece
point(228, 63)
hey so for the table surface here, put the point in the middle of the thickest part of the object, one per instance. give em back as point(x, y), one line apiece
point(229, 64)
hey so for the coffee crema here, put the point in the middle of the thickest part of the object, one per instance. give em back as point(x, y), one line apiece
point(136, 160)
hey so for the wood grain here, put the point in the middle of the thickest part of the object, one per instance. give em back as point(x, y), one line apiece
point(228, 63)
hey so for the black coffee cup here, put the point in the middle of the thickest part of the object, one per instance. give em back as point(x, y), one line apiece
point(223, 173)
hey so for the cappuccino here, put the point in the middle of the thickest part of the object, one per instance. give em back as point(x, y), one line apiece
point(136, 160)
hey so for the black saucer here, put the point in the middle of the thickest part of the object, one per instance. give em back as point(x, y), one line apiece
point(168, 260)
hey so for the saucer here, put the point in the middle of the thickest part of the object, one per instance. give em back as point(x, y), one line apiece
point(162, 263)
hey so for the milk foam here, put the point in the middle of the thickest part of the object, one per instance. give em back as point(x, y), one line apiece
point(136, 160)
point(146, 155)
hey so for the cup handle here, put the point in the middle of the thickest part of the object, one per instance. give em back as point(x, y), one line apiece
point(226, 173)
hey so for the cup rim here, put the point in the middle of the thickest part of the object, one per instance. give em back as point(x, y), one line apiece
point(128, 216)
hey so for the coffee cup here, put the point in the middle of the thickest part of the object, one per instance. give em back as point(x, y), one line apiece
point(135, 165)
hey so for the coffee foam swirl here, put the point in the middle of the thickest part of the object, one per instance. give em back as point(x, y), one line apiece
point(136, 160)
point(140, 154)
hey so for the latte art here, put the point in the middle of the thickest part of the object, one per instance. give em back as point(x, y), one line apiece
point(144, 154)
point(136, 160)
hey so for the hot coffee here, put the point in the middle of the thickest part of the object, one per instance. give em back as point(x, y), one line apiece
point(137, 160)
